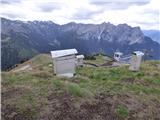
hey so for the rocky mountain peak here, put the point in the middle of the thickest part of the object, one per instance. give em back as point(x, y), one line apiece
point(22, 40)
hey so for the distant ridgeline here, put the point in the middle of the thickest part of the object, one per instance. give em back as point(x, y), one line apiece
point(22, 40)
point(153, 34)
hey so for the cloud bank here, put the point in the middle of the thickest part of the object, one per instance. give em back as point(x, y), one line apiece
point(143, 13)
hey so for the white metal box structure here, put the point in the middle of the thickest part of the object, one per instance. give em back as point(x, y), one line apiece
point(136, 60)
point(117, 56)
point(64, 62)
point(79, 59)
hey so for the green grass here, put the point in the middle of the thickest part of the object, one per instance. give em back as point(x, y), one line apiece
point(58, 84)
point(87, 82)
point(122, 111)
point(111, 79)
point(99, 60)
point(92, 79)
point(75, 90)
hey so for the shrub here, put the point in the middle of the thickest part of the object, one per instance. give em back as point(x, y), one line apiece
point(122, 111)
point(75, 90)
point(87, 57)
point(57, 83)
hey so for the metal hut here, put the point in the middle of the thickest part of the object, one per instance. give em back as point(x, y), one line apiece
point(136, 60)
point(117, 56)
point(80, 60)
point(64, 62)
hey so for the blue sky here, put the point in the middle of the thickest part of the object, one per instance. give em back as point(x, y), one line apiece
point(143, 13)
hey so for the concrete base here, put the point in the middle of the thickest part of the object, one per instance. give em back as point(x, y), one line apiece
point(69, 75)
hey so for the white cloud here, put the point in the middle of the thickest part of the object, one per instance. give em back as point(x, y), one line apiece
point(144, 13)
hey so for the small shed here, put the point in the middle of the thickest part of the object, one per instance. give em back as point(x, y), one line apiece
point(64, 62)
point(117, 56)
point(80, 60)
point(136, 60)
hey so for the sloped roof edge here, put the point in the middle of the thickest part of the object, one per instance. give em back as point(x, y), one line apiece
point(61, 53)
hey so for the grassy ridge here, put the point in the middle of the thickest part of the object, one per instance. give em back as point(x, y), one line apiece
point(33, 87)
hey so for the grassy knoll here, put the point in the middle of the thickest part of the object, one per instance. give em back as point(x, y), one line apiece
point(94, 93)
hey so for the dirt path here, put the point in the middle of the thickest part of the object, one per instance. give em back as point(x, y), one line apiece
point(90, 64)
point(61, 106)
point(103, 107)
point(23, 68)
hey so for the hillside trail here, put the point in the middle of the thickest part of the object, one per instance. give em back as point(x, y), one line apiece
point(23, 68)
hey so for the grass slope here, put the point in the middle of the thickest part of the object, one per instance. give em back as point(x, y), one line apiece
point(97, 93)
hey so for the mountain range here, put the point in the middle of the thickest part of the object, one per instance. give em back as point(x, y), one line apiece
point(21, 40)
point(153, 34)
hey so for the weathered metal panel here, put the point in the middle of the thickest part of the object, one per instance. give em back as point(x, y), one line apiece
point(136, 61)
point(61, 53)
point(64, 65)
point(79, 60)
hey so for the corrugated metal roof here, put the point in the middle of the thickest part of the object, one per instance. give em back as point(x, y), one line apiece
point(119, 53)
point(60, 53)
point(80, 56)
point(138, 53)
